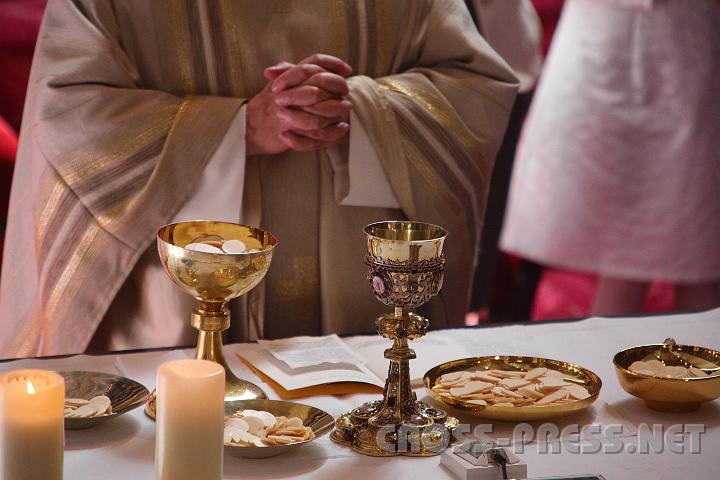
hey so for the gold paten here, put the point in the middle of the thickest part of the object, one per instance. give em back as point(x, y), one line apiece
point(572, 373)
point(670, 394)
point(214, 279)
point(405, 268)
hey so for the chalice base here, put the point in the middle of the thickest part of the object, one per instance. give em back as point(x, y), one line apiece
point(239, 389)
point(423, 433)
point(210, 347)
point(235, 389)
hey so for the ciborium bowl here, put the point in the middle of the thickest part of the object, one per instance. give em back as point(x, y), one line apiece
point(405, 269)
point(664, 394)
point(214, 279)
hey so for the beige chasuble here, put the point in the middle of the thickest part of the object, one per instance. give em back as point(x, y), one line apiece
point(129, 99)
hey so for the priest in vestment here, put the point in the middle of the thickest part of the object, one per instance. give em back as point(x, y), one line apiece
point(137, 116)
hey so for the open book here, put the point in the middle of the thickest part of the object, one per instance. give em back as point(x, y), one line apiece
point(298, 366)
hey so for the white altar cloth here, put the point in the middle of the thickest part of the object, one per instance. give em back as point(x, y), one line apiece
point(123, 448)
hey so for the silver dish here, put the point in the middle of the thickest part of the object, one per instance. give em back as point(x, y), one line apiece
point(124, 394)
point(319, 421)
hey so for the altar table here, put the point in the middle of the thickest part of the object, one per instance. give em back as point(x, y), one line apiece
point(123, 448)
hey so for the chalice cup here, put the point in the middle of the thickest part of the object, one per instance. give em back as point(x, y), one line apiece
point(405, 269)
point(214, 279)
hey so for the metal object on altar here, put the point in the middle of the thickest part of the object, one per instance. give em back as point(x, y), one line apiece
point(673, 395)
point(483, 459)
point(572, 373)
point(405, 269)
point(318, 420)
point(124, 395)
point(214, 279)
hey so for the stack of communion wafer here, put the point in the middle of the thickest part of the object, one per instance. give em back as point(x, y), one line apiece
point(216, 244)
point(81, 408)
point(510, 388)
point(656, 368)
point(257, 428)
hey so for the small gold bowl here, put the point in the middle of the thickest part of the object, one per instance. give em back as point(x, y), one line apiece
point(530, 413)
point(319, 421)
point(124, 395)
point(670, 394)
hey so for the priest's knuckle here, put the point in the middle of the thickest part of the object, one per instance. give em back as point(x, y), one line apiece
point(323, 77)
point(324, 134)
point(298, 124)
point(337, 109)
point(309, 69)
point(324, 110)
point(315, 122)
point(293, 142)
point(289, 124)
point(320, 57)
point(314, 93)
point(331, 138)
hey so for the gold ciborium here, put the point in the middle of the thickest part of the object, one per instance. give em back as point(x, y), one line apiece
point(405, 268)
point(214, 279)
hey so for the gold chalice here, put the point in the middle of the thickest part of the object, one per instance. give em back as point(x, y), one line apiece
point(214, 279)
point(405, 268)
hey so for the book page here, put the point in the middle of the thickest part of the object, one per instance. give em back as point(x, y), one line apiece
point(298, 352)
point(431, 350)
point(294, 378)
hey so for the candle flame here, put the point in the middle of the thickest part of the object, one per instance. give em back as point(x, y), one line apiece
point(30, 388)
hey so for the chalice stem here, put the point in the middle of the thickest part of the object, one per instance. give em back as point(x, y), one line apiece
point(210, 319)
point(210, 347)
point(210, 323)
point(399, 395)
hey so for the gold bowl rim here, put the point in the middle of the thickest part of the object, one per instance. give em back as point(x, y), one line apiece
point(536, 412)
point(267, 249)
point(630, 373)
point(431, 225)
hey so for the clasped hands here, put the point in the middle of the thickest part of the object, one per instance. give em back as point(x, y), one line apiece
point(303, 107)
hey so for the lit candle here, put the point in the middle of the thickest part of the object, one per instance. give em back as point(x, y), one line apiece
point(190, 420)
point(32, 404)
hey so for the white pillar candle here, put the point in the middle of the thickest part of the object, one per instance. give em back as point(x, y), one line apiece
point(190, 420)
point(32, 434)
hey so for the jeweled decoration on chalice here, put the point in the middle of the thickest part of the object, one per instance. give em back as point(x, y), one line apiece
point(215, 262)
point(405, 268)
